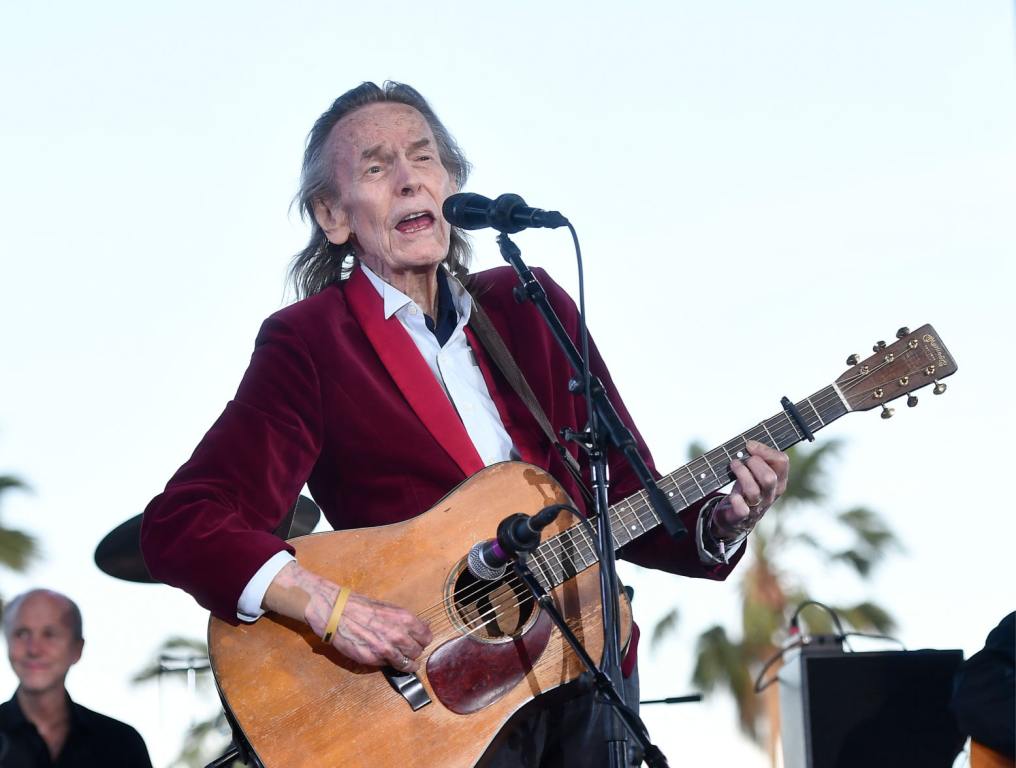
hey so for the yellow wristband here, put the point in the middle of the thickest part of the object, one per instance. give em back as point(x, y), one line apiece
point(333, 620)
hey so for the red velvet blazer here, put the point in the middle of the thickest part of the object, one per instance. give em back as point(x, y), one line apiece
point(339, 398)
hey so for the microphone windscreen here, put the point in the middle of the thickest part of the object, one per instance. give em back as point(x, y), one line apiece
point(467, 210)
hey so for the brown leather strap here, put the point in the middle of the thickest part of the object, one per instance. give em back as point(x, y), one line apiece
point(502, 357)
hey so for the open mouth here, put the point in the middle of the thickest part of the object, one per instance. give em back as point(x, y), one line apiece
point(415, 222)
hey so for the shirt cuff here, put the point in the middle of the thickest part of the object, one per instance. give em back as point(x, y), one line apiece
point(248, 608)
point(712, 551)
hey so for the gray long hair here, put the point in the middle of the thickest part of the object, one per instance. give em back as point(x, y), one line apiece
point(322, 263)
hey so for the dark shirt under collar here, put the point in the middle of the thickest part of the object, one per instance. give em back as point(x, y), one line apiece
point(447, 317)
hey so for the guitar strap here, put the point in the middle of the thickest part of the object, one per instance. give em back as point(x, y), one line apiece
point(498, 351)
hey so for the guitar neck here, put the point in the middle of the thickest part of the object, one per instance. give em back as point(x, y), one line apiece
point(561, 557)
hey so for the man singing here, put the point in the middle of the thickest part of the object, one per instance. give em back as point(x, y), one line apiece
point(374, 390)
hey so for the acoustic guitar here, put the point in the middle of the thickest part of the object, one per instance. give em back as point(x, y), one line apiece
point(299, 703)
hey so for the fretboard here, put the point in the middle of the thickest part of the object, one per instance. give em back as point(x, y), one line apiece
point(561, 557)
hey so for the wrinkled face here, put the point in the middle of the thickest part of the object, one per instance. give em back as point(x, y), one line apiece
point(41, 645)
point(391, 187)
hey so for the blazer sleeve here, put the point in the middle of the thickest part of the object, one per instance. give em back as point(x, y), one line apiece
point(211, 529)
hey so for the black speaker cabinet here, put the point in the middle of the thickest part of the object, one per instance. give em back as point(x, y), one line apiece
point(868, 710)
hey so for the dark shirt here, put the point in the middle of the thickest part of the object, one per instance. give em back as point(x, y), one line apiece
point(447, 317)
point(984, 699)
point(93, 740)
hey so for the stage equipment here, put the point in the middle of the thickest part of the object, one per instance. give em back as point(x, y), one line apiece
point(884, 709)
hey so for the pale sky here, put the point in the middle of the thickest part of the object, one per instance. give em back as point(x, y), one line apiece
point(760, 189)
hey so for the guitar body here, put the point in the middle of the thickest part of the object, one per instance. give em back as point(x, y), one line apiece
point(985, 757)
point(299, 703)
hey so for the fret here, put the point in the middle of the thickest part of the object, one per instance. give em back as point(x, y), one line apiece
point(621, 513)
point(704, 483)
point(773, 442)
point(808, 400)
point(677, 487)
point(537, 565)
point(712, 469)
point(798, 437)
point(695, 480)
point(726, 477)
point(639, 517)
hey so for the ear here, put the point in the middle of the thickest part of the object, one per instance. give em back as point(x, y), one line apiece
point(77, 655)
point(332, 218)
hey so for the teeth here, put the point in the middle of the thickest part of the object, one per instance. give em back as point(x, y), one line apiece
point(417, 215)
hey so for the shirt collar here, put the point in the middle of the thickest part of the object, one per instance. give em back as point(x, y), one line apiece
point(394, 299)
point(12, 716)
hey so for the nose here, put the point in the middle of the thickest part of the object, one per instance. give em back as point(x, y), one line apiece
point(408, 178)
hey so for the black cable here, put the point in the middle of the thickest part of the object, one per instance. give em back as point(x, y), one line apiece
point(794, 629)
point(802, 640)
point(759, 686)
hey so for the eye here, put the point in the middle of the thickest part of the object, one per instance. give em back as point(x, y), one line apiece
point(374, 169)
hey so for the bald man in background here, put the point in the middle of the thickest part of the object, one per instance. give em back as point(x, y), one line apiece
point(40, 726)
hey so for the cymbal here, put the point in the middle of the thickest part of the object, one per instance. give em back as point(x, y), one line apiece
point(119, 552)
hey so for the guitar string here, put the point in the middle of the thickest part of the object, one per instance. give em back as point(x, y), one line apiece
point(822, 400)
point(624, 515)
point(552, 556)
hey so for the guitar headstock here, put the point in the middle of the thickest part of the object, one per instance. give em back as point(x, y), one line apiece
point(917, 359)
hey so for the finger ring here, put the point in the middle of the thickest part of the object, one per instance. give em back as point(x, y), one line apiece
point(753, 506)
point(405, 662)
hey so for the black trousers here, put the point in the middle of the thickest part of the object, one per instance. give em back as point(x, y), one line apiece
point(568, 733)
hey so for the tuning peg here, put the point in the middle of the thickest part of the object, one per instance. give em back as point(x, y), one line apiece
point(854, 359)
point(879, 346)
point(904, 331)
point(939, 387)
point(887, 412)
point(912, 401)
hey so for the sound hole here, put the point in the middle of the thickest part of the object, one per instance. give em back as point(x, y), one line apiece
point(490, 611)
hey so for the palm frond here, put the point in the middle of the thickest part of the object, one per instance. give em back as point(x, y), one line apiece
point(868, 526)
point(717, 661)
point(868, 616)
point(807, 481)
point(857, 560)
point(696, 448)
point(17, 549)
point(666, 626)
point(10, 482)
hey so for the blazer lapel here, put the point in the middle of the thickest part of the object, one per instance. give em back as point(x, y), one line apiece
point(412, 376)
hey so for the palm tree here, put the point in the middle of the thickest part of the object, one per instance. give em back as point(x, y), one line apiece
point(770, 591)
point(186, 658)
point(17, 548)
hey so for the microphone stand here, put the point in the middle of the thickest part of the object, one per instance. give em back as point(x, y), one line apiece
point(605, 428)
point(605, 687)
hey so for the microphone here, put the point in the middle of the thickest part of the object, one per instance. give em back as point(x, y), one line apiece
point(508, 213)
point(488, 560)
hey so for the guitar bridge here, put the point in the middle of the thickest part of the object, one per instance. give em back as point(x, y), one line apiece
point(408, 686)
